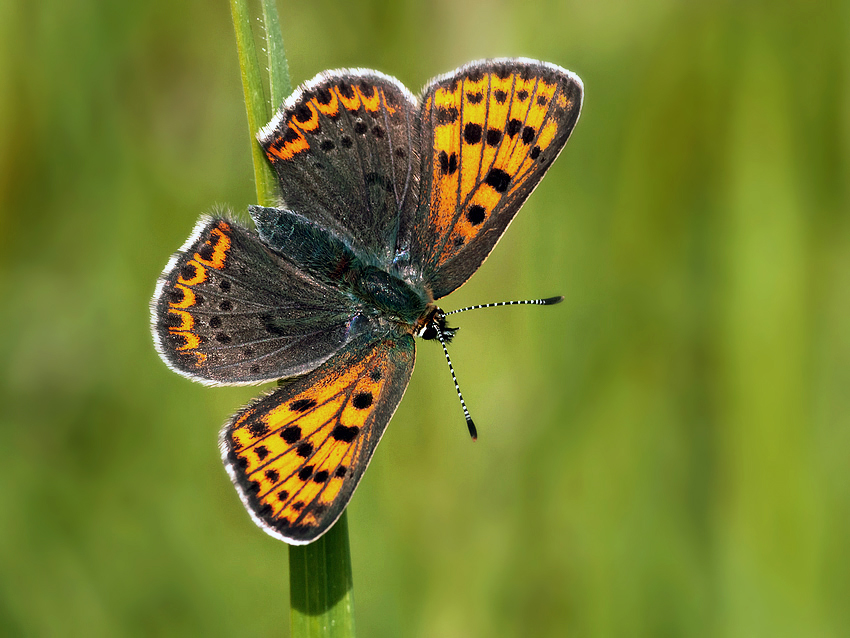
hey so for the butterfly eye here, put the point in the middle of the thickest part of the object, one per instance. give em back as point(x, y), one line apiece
point(428, 332)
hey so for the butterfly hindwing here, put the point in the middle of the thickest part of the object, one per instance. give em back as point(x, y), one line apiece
point(344, 150)
point(490, 130)
point(228, 310)
point(297, 454)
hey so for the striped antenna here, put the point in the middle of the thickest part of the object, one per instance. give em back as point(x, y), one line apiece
point(549, 301)
point(469, 424)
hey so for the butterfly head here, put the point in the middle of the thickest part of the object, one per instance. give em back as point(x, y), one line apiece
point(432, 325)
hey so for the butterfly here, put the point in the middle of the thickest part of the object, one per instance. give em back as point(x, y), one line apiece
point(389, 203)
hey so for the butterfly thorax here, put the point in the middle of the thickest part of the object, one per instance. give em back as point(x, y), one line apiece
point(397, 300)
point(389, 295)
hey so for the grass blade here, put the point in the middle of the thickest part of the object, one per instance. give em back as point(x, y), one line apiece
point(320, 579)
point(279, 83)
point(320, 585)
point(256, 103)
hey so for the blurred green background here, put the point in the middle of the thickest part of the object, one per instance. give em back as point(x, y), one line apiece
point(664, 454)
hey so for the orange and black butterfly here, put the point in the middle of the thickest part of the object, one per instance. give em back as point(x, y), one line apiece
point(389, 203)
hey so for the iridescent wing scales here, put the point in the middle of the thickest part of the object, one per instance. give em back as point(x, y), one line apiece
point(490, 130)
point(297, 454)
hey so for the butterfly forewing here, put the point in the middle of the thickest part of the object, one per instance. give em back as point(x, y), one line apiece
point(343, 147)
point(297, 454)
point(489, 132)
point(228, 310)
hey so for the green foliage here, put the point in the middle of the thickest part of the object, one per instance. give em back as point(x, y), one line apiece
point(665, 453)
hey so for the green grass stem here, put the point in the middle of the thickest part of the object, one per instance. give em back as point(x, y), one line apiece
point(320, 580)
point(320, 585)
point(279, 83)
point(256, 103)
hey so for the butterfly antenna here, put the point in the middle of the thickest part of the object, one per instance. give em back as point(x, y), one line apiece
point(469, 424)
point(549, 301)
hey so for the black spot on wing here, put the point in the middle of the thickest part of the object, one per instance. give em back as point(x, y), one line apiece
point(475, 214)
point(362, 400)
point(305, 472)
point(345, 434)
point(258, 428)
point(447, 115)
point(291, 434)
point(302, 405)
point(498, 179)
point(304, 450)
point(472, 133)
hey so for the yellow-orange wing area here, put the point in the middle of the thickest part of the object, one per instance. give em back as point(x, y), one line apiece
point(178, 321)
point(490, 132)
point(297, 454)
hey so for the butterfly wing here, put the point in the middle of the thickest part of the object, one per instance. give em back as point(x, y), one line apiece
point(490, 130)
point(344, 149)
point(228, 310)
point(297, 454)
